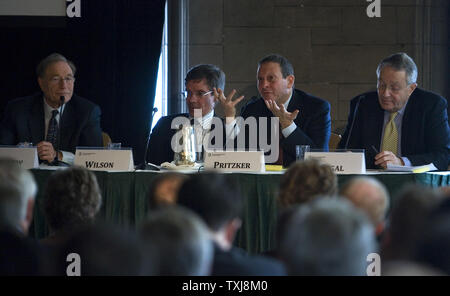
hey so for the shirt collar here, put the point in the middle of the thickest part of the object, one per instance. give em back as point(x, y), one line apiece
point(48, 109)
point(205, 121)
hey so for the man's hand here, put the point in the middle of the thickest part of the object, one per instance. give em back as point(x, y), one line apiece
point(383, 158)
point(286, 118)
point(227, 103)
point(46, 151)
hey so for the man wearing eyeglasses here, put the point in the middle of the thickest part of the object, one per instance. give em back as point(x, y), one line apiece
point(55, 120)
point(201, 81)
point(399, 124)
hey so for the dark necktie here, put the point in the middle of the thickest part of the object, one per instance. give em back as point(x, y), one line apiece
point(52, 132)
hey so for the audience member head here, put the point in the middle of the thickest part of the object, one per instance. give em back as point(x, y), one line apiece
point(103, 251)
point(177, 242)
point(434, 243)
point(164, 189)
point(275, 78)
point(199, 83)
point(304, 181)
point(56, 77)
point(217, 202)
point(410, 210)
point(72, 199)
point(371, 196)
point(17, 194)
point(327, 237)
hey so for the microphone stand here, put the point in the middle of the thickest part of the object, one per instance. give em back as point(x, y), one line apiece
point(353, 121)
point(145, 165)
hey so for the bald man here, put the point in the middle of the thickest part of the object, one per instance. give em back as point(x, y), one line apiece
point(369, 195)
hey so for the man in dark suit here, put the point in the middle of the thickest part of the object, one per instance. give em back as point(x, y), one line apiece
point(36, 118)
point(202, 85)
point(219, 204)
point(303, 119)
point(408, 125)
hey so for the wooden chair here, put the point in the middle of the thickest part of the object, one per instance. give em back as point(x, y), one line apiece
point(106, 139)
point(334, 141)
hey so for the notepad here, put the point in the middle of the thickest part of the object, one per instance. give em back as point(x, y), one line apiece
point(413, 169)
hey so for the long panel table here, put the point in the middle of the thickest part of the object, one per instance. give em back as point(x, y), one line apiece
point(125, 200)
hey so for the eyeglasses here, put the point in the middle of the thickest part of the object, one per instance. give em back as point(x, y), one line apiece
point(393, 89)
point(198, 94)
point(57, 80)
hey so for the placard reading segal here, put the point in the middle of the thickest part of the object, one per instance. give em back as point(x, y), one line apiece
point(26, 156)
point(104, 159)
point(341, 162)
point(235, 161)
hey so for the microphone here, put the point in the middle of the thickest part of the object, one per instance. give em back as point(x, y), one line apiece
point(353, 120)
point(145, 165)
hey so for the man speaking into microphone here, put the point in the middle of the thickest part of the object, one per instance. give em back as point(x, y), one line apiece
point(55, 120)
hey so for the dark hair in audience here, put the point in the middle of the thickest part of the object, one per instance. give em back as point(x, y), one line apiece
point(213, 197)
point(400, 62)
point(434, 243)
point(53, 58)
point(104, 250)
point(72, 198)
point(177, 242)
point(154, 201)
point(285, 65)
point(305, 180)
point(410, 210)
point(327, 237)
point(213, 75)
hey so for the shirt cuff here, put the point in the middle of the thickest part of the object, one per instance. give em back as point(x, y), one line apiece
point(231, 130)
point(289, 130)
point(406, 161)
point(68, 157)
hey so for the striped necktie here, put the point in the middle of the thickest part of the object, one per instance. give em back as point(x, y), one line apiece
point(390, 138)
point(52, 131)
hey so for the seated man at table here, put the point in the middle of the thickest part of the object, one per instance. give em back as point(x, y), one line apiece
point(55, 120)
point(200, 83)
point(220, 205)
point(399, 124)
point(303, 118)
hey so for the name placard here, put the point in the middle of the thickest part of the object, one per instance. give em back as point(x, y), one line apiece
point(341, 162)
point(26, 156)
point(104, 159)
point(235, 161)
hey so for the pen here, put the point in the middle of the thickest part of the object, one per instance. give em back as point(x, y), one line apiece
point(375, 149)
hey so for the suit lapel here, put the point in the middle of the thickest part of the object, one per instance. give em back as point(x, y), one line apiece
point(36, 121)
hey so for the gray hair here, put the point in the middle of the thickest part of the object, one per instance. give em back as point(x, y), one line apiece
point(53, 58)
point(327, 237)
point(178, 242)
point(400, 62)
point(286, 66)
point(213, 75)
point(17, 186)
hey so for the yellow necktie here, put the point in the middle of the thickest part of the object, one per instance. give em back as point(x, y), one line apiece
point(390, 138)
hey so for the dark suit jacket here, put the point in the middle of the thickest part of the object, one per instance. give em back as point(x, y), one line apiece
point(160, 148)
point(236, 262)
point(23, 121)
point(313, 123)
point(425, 134)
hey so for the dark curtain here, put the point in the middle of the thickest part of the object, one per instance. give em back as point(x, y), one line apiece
point(115, 46)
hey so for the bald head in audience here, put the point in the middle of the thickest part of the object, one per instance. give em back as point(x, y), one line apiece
point(369, 195)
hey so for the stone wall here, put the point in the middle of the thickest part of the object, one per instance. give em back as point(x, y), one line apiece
point(334, 46)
